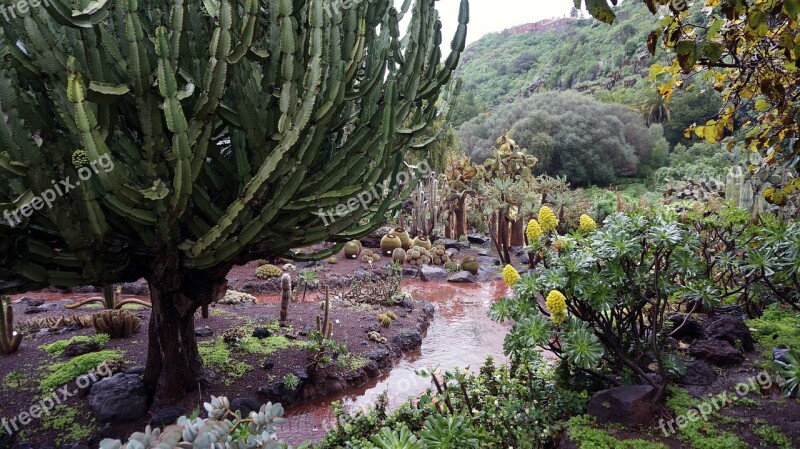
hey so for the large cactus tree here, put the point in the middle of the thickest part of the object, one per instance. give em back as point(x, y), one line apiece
point(229, 124)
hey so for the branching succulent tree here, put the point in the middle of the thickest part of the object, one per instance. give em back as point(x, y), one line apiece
point(221, 127)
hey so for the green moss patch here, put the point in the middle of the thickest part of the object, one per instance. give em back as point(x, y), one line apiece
point(57, 347)
point(63, 373)
point(778, 326)
point(217, 355)
point(64, 420)
point(584, 433)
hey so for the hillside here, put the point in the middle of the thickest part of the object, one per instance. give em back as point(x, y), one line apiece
point(580, 54)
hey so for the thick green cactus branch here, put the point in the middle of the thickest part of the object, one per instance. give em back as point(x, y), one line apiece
point(225, 125)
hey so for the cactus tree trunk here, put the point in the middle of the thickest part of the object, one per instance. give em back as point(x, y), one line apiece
point(174, 365)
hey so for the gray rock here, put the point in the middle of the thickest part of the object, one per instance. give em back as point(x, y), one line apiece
point(429, 273)
point(203, 332)
point(247, 405)
point(452, 252)
point(691, 330)
point(779, 354)
point(49, 307)
point(261, 333)
point(138, 288)
point(733, 330)
point(718, 352)
point(698, 374)
point(84, 289)
point(372, 369)
point(29, 301)
point(407, 339)
point(120, 398)
point(489, 261)
point(525, 258)
point(479, 239)
point(453, 244)
point(628, 405)
point(77, 348)
point(137, 370)
point(381, 355)
point(166, 416)
point(463, 277)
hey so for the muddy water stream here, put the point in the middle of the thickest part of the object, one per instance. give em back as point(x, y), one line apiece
point(461, 335)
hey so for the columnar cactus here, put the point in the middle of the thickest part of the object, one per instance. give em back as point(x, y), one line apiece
point(286, 295)
point(324, 325)
point(216, 133)
point(9, 339)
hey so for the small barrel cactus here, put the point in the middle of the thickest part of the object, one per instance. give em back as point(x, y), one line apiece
point(422, 241)
point(352, 249)
point(268, 271)
point(452, 266)
point(439, 255)
point(80, 159)
point(399, 256)
point(418, 256)
point(385, 320)
point(402, 234)
point(389, 243)
point(471, 264)
point(376, 337)
point(332, 260)
point(370, 256)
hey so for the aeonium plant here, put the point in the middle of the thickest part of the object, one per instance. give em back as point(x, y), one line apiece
point(601, 298)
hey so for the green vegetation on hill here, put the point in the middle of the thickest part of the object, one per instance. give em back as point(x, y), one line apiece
point(583, 54)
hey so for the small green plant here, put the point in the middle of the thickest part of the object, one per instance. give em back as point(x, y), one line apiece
point(771, 436)
point(291, 382)
point(789, 370)
point(14, 380)
point(216, 354)
point(66, 422)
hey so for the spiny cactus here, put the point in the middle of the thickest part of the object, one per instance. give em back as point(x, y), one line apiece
point(112, 299)
point(116, 323)
point(324, 325)
point(370, 256)
point(399, 256)
point(376, 337)
point(54, 322)
point(233, 336)
point(389, 243)
point(268, 272)
point(286, 295)
point(404, 237)
point(439, 255)
point(232, 298)
point(9, 338)
point(352, 249)
point(418, 256)
point(215, 133)
point(422, 241)
point(471, 264)
point(426, 211)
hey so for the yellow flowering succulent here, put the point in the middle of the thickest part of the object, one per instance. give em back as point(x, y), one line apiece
point(556, 303)
point(533, 231)
point(587, 223)
point(510, 275)
point(547, 219)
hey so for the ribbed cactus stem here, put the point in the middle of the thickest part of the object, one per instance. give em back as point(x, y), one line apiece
point(109, 297)
point(9, 340)
point(324, 326)
point(286, 295)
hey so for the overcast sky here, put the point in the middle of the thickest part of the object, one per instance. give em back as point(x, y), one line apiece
point(487, 16)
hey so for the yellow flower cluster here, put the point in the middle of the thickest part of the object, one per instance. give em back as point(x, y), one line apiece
point(587, 224)
point(547, 219)
point(510, 275)
point(534, 231)
point(557, 304)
